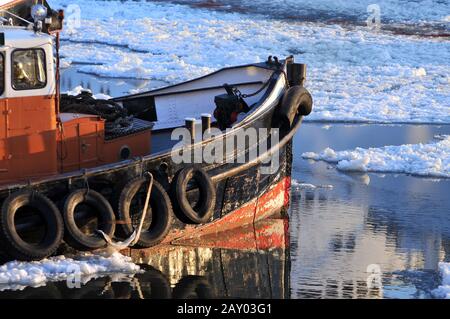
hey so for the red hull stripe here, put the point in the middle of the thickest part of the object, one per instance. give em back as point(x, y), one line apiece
point(267, 206)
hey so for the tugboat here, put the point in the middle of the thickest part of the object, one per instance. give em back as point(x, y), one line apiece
point(165, 166)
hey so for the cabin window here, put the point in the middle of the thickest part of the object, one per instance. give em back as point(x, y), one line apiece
point(2, 73)
point(28, 69)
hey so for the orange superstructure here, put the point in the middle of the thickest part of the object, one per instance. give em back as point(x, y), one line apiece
point(35, 139)
point(28, 137)
point(82, 143)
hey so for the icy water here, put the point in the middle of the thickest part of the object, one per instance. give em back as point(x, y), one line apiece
point(396, 223)
point(71, 78)
point(400, 17)
point(345, 228)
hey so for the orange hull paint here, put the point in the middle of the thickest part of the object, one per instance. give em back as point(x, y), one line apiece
point(32, 146)
point(82, 144)
point(27, 138)
point(139, 144)
point(255, 226)
point(266, 235)
point(267, 206)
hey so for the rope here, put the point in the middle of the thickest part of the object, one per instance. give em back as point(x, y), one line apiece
point(117, 118)
point(144, 211)
point(134, 238)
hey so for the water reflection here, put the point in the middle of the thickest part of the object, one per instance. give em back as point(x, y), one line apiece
point(259, 270)
point(181, 272)
point(398, 222)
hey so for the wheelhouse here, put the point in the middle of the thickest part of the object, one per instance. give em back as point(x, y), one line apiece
point(36, 139)
point(27, 103)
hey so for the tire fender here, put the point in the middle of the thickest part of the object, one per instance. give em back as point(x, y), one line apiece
point(204, 209)
point(11, 241)
point(296, 101)
point(160, 210)
point(107, 220)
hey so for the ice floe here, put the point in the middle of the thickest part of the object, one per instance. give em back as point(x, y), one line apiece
point(77, 90)
point(405, 11)
point(17, 275)
point(443, 291)
point(300, 185)
point(430, 160)
point(355, 75)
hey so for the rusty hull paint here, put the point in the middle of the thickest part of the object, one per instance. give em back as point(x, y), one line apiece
point(219, 266)
point(221, 272)
point(268, 205)
point(266, 235)
point(258, 224)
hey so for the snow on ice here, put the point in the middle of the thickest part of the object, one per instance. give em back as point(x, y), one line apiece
point(77, 90)
point(430, 160)
point(17, 275)
point(300, 185)
point(443, 291)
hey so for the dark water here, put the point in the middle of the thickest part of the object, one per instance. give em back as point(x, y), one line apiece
point(398, 223)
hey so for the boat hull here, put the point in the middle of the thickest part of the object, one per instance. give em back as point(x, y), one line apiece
point(242, 199)
point(246, 191)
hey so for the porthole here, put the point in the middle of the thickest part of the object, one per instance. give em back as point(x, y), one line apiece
point(125, 153)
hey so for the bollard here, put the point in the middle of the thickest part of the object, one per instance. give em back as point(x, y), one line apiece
point(206, 123)
point(190, 125)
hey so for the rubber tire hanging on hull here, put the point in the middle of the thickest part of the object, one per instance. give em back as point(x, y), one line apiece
point(204, 209)
point(160, 210)
point(296, 101)
point(10, 240)
point(73, 234)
